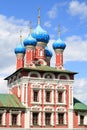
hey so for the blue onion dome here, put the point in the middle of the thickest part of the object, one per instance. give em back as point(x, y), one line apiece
point(30, 41)
point(59, 44)
point(48, 52)
point(40, 34)
point(20, 49)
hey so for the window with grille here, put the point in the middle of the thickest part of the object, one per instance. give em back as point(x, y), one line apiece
point(48, 96)
point(47, 118)
point(61, 118)
point(81, 120)
point(14, 119)
point(60, 97)
point(35, 118)
point(35, 96)
point(0, 119)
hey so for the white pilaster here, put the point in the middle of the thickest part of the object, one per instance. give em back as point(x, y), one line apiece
point(85, 119)
point(40, 96)
point(65, 118)
point(22, 96)
point(4, 118)
point(70, 118)
point(10, 119)
point(27, 121)
point(43, 118)
point(52, 119)
point(19, 119)
point(39, 118)
point(31, 117)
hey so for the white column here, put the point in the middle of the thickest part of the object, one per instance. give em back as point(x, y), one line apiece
point(43, 118)
point(52, 96)
point(19, 119)
point(4, 118)
point(65, 118)
point(39, 118)
point(65, 97)
point(31, 123)
point(44, 96)
point(26, 95)
point(85, 119)
point(57, 118)
point(10, 119)
point(52, 119)
point(31, 95)
point(27, 120)
point(40, 96)
point(22, 96)
point(70, 118)
point(56, 96)
point(70, 97)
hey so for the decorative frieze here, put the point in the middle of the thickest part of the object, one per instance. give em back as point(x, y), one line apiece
point(35, 108)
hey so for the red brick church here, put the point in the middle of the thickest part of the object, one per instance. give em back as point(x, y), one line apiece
point(41, 96)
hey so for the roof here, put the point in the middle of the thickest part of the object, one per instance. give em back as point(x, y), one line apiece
point(78, 105)
point(10, 101)
point(42, 69)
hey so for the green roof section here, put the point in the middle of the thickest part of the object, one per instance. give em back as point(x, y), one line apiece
point(49, 69)
point(42, 69)
point(78, 105)
point(10, 101)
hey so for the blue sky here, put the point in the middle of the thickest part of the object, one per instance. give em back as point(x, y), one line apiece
point(72, 17)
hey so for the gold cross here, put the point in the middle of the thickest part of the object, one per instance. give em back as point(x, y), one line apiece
point(20, 35)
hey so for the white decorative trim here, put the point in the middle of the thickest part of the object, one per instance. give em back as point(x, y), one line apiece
point(60, 109)
point(34, 72)
point(53, 76)
point(41, 60)
point(65, 75)
point(48, 109)
point(35, 108)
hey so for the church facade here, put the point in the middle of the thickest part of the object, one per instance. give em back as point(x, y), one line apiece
point(41, 96)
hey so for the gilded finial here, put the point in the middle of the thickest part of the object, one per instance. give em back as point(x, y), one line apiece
point(30, 24)
point(20, 35)
point(39, 16)
point(59, 30)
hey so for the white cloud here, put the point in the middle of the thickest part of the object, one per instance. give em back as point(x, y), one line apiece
point(9, 38)
point(78, 8)
point(47, 24)
point(53, 12)
point(76, 49)
point(3, 86)
point(80, 89)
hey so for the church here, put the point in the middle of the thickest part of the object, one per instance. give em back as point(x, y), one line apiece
point(41, 96)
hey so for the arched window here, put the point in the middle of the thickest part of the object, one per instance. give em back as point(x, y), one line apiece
point(41, 52)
